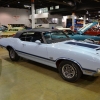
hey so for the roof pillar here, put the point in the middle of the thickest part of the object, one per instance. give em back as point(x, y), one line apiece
point(33, 13)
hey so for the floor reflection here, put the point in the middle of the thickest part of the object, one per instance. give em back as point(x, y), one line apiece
point(28, 80)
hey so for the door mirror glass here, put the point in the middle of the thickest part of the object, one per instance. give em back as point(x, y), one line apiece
point(38, 42)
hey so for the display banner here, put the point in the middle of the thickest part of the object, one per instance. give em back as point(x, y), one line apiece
point(32, 1)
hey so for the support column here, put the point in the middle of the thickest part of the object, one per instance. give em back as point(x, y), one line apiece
point(73, 21)
point(84, 20)
point(33, 14)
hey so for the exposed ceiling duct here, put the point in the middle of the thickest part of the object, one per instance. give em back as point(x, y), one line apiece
point(65, 6)
point(64, 2)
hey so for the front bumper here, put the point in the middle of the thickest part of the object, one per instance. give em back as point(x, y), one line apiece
point(97, 73)
point(91, 72)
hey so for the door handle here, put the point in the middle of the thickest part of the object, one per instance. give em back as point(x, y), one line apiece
point(24, 44)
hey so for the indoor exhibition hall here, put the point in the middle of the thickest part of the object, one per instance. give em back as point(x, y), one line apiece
point(50, 50)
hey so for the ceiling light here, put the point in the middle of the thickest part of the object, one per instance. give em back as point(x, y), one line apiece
point(8, 5)
point(81, 18)
point(64, 2)
point(98, 11)
point(70, 3)
point(87, 12)
point(18, 2)
point(40, 11)
point(27, 6)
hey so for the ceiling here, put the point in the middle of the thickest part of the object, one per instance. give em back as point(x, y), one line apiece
point(66, 7)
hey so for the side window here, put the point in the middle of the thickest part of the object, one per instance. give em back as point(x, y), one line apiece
point(23, 37)
point(36, 36)
point(31, 37)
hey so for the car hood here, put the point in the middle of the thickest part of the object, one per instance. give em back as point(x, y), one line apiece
point(86, 27)
point(84, 36)
point(77, 46)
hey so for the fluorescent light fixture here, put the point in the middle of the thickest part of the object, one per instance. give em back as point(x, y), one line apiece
point(98, 11)
point(75, 17)
point(18, 2)
point(87, 12)
point(51, 8)
point(81, 18)
point(57, 7)
point(40, 11)
point(65, 17)
point(27, 6)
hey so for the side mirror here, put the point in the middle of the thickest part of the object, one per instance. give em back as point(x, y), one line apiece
point(38, 42)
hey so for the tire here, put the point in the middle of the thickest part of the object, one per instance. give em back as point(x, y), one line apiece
point(13, 55)
point(69, 71)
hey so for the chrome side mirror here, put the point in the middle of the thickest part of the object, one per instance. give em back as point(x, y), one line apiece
point(38, 42)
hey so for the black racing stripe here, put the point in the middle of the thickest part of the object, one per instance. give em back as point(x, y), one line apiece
point(35, 55)
point(83, 45)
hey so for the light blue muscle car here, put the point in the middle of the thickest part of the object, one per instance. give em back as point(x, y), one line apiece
point(54, 48)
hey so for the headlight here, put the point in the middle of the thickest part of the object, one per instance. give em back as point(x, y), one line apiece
point(98, 70)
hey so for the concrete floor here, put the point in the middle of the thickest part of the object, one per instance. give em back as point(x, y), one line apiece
point(27, 80)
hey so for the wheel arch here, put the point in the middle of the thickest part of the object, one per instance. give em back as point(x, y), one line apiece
point(59, 60)
point(8, 47)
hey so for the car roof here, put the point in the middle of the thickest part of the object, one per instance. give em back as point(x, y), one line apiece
point(17, 35)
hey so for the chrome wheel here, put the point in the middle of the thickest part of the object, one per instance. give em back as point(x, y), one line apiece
point(68, 71)
point(12, 53)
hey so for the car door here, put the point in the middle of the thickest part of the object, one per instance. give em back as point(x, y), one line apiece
point(32, 50)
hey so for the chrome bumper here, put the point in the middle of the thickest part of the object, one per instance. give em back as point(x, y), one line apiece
point(97, 73)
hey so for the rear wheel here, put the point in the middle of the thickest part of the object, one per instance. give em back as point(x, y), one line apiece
point(13, 55)
point(69, 71)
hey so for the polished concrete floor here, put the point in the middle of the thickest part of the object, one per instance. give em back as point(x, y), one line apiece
point(27, 80)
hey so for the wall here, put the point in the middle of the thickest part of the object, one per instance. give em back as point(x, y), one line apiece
point(49, 19)
point(14, 16)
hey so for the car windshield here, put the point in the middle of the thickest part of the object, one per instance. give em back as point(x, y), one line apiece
point(70, 32)
point(55, 36)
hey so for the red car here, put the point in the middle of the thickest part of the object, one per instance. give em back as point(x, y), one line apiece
point(93, 31)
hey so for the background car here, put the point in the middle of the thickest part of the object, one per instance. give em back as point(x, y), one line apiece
point(3, 28)
point(80, 35)
point(93, 31)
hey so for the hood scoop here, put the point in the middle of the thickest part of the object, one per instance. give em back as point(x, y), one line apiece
point(83, 45)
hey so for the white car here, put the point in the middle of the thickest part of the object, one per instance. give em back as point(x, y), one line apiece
point(54, 48)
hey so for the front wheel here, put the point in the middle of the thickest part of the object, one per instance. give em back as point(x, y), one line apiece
point(13, 55)
point(69, 71)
